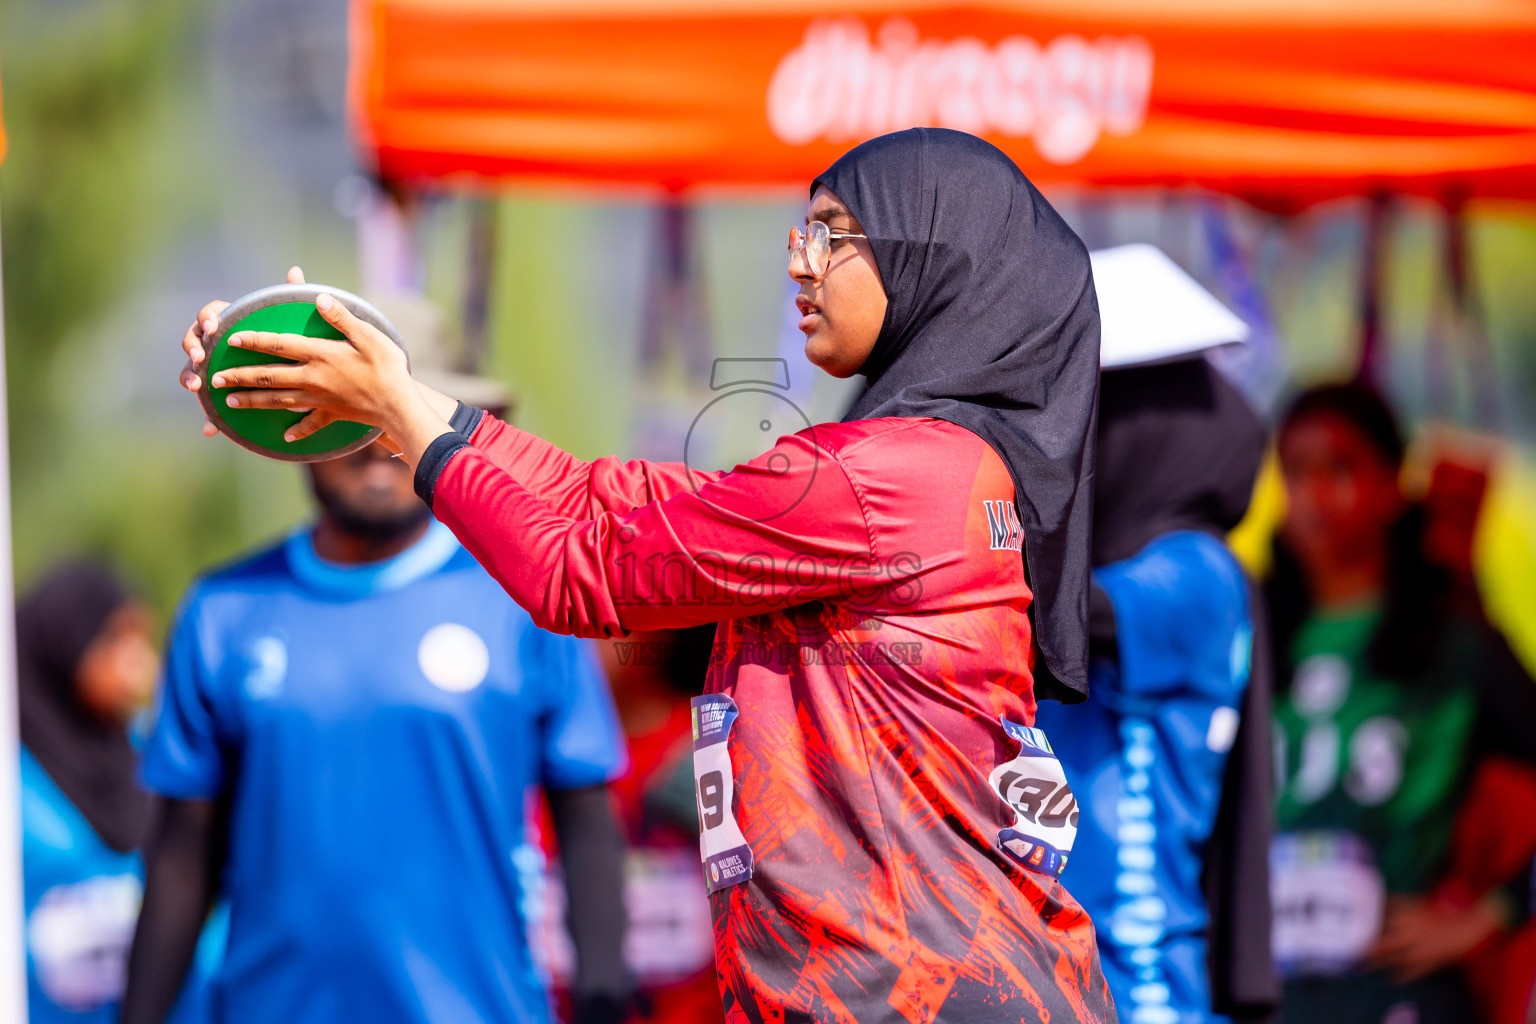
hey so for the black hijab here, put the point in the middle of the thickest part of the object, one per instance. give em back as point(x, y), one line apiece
point(92, 761)
point(1179, 449)
point(991, 324)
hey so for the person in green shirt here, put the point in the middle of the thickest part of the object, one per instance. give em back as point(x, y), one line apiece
point(1392, 687)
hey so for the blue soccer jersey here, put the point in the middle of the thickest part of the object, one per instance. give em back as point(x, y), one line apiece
point(82, 899)
point(1145, 756)
point(377, 729)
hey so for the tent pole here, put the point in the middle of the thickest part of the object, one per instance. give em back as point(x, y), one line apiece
point(13, 955)
point(484, 221)
point(1372, 365)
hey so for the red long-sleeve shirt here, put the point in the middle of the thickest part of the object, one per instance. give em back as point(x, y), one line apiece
point(874, 635)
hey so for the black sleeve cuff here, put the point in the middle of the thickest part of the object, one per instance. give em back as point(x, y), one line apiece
point(433, 461)
point(466, 419)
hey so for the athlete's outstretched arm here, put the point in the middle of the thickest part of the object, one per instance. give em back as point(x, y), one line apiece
point(785, 529)
point(182, 860)
point(592, 859)
point(364, 377)
point(575, 487)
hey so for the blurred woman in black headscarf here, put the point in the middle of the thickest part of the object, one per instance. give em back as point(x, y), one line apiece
point(1178, 451)
point(86, 665)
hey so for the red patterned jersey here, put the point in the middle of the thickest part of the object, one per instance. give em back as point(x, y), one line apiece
point(883, 827)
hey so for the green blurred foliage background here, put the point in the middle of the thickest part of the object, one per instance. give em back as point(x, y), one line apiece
point(101, 112)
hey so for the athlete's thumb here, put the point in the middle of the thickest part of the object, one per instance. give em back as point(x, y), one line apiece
point(338, 315)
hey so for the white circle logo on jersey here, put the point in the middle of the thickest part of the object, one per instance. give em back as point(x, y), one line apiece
point(453, 657)
point(269, 667)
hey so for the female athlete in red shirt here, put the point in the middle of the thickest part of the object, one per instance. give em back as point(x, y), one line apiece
point(883, 829)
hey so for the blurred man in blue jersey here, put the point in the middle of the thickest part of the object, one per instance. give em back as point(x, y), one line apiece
point(351, 726)
point(1171, 630)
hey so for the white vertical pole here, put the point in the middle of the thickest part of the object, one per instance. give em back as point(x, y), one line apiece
point(13, 950)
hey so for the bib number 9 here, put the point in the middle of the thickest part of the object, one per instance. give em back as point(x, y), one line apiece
point(723, 849)
point(712, 799)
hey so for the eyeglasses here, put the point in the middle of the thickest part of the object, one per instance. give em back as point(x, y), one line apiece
point(816, 243)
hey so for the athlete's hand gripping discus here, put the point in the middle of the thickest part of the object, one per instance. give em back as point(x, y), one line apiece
point(282, 309)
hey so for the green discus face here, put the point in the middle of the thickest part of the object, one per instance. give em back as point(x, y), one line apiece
point(285, 309)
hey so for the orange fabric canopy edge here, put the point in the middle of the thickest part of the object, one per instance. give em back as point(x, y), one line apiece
point(1285, 103)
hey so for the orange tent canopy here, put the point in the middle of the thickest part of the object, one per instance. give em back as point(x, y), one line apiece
point(1291, 99)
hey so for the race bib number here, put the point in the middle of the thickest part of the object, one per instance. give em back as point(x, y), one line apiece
point(79, 935)
point(1328, 898)
point(724, 850)
point(671, 934)
point(1044, 809)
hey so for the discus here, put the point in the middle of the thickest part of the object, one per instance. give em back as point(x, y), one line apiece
point(282, 309)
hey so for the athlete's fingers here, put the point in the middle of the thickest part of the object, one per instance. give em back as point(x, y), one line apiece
point(189, 378)
point(209, 430)
point(391, 444)
point(1401, 928)
point(316, 420)
point(212, 308)
point(295, 275)
point(192, 345)
point(266, 375)
point(288, 346)
point(203, 327)
point(278, 398)
point(341, 318)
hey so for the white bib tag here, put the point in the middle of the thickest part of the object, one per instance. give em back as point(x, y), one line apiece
point(79, 934)
point(1045, 811)
point(1328, 899)
point(724, 850)
point(671, 934)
